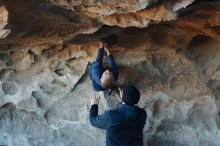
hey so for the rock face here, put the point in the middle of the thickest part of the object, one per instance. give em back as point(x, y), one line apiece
point(3, 22)
point(37, 23)
point(125, 13)
point(44, 84)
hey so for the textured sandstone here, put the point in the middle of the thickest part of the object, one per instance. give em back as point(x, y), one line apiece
point(35, 22)
point(44, 84)
point(3, 22)
point(125, 13)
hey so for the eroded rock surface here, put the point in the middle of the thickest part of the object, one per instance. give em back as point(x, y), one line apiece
point(3, 22)
point(36, 22)
point(125, 13)
point(44, 83)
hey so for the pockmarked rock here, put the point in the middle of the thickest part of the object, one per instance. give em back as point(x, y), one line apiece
point(168, 49)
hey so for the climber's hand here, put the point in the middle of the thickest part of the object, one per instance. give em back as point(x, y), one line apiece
point(102, 45)
point(94, 99)
point(107, 51)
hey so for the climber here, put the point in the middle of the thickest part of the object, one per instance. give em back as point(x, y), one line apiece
point(103, 79)
point(124, 126)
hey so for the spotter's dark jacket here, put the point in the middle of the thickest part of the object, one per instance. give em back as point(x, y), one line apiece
point(124, 126)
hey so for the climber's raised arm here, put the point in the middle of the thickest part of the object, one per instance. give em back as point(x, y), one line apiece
point(111, 64)
point(100, 53)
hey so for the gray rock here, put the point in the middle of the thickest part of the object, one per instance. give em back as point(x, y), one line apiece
point(44, 80)
point(9, 88)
